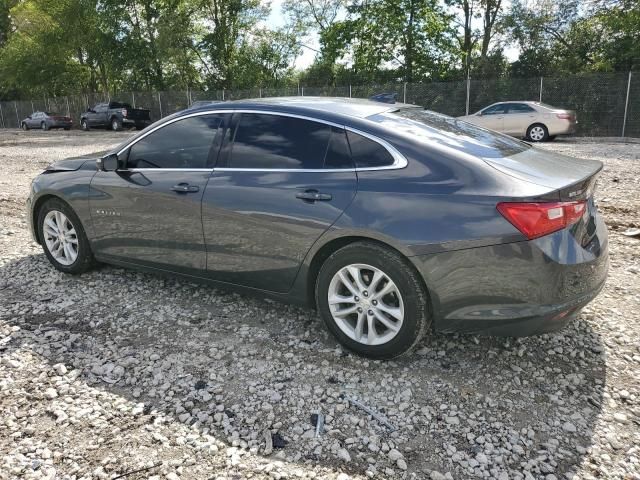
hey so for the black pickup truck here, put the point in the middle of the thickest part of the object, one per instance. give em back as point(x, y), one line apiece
point(115, 115)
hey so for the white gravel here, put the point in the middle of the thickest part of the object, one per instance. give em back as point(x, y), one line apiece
point(117, 371)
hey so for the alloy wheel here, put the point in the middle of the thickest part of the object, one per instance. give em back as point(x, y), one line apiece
point(366, 304)
point(60, 237)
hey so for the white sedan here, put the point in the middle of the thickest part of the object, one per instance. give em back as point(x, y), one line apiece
point(534, 121)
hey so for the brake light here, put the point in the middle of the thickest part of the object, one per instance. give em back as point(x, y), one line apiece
point(564, 116)
point(124, 112)
point(538, 219)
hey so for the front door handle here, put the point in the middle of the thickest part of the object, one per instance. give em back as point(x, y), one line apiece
point(185, 188)
point(313, 196)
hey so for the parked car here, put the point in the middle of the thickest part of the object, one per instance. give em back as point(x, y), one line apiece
point(389, 219)
point(384, 97)
point(115, 115)
point(46, 121)
point(535, 121)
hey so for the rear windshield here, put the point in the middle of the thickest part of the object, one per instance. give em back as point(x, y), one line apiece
point(435, 128)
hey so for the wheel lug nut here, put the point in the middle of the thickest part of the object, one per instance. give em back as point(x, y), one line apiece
point(370, 312)
point(365, 293)
point(375, 302)
point(357, 299)
point(359, 309)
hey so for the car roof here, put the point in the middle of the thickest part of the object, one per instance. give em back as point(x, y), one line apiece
point(351, 107)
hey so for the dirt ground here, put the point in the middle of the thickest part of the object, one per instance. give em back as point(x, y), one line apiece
point(115, 371)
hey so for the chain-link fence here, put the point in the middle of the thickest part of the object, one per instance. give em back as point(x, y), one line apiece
point(607, 104)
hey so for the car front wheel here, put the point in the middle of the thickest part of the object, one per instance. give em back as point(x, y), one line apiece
point(63, 239)
point(116, 125)
point(85, 125)
point(372, 300)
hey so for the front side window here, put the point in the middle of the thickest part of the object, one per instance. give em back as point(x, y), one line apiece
point(495, 109)
point(264, 141)
point(185, 143)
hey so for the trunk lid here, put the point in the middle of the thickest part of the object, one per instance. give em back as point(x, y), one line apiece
point(548, 169)
point(568, 179)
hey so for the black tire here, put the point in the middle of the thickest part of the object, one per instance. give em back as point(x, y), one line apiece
point(84, 260)
point(116, 124)
point(84, 124)
point(417, 318)
point(539, 131)
point(67, 128)
point(24, 126)
point(44, 126)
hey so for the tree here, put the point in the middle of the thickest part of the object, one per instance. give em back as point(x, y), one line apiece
point(231, 21)
point(411, 37)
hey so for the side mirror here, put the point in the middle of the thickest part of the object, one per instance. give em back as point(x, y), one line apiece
point(110, 163)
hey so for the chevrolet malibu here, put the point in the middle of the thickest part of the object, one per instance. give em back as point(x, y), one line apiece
point(389, 219)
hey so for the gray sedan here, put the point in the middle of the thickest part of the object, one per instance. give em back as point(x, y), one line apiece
point(46, 121)
point(389, 219)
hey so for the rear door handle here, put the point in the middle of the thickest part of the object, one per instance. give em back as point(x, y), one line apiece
point(313, 196)
point(185, 188)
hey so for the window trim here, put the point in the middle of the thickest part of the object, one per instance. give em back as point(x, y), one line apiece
point(399, 160)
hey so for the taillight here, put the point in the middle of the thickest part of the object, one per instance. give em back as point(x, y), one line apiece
point(124, 112)
point(538, 219)
point(564, 116)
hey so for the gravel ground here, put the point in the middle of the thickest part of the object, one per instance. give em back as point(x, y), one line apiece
point(115, 371)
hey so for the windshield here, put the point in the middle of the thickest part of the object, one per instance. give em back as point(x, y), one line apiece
point(435, 128)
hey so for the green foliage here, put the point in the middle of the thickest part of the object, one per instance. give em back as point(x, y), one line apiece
point(56, 47)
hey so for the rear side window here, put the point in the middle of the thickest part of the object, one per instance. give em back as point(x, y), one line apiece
point(367, 153)
point(520, 108)
point(264, 141)
point(182, 144)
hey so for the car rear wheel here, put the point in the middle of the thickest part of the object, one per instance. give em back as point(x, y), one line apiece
point(116, 124)
point(537, 133)
point(63, 239)
point(44, 126)
point(372, 300)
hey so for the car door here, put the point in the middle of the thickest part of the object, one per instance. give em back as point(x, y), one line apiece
point(492, 117)
point(34, 121)
point(518, 118)
point(281, 182)
point(95, 118)
point(148, 212)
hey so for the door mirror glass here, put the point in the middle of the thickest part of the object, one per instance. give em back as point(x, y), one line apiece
point(110, 163)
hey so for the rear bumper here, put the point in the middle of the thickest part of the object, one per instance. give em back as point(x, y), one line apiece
point(60, 124)
point(515, 289)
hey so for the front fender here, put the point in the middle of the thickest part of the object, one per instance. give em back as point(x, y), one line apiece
point(72, 187)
